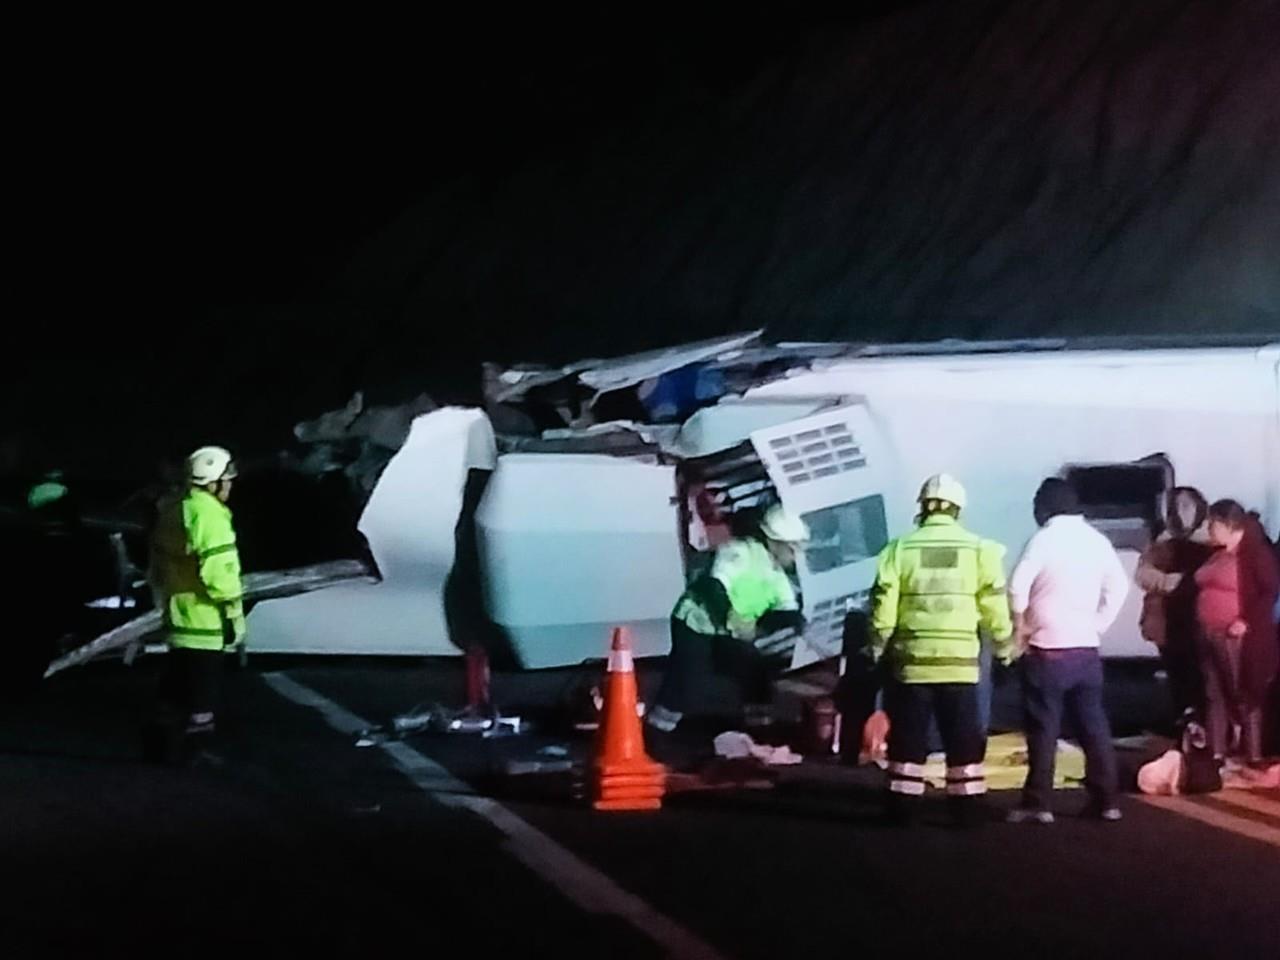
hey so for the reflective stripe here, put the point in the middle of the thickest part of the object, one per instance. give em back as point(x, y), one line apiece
point(967, 788)
point(620, 661)
point(936, 633)
point(214, 551)
point(906, 769)
point(195, 631)
point(968, 772)
point(919, 660)
point(694, 616)
point(912, 788)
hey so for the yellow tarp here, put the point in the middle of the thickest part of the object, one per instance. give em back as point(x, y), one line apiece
point(1007, 764)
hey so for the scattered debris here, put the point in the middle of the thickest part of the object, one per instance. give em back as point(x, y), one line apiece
point(521, 768)
point(438, 719)
point(414, 720)
point(736, 745)
point(358, 440)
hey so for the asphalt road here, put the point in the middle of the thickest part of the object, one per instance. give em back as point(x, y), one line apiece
point(290, 836)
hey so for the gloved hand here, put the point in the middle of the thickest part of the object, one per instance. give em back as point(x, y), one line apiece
point(233, 627)
point(739, 628)
point(778, 643)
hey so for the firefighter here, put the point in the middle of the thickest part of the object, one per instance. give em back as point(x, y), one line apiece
point(729, 616)
point(934, 588)
point(195, 574)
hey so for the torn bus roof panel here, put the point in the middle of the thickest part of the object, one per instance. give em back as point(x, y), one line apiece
point(257, 587)
point(409, 523)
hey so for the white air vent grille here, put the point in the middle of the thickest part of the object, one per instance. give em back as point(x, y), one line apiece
point(817, 453)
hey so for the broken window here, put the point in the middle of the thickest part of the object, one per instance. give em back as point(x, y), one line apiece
point(1123, 500)
point(845, 533)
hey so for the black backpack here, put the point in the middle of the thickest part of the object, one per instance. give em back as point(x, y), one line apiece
point(1203, 772)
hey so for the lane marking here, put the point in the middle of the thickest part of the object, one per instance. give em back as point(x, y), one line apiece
point(1247, 800)
point(1216, 818)
point(582, 883)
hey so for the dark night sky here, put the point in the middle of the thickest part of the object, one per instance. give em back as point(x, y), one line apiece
point(248, 170)
point(181, 182)
point(194, 197)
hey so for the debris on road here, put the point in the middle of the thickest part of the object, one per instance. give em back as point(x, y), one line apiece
point(736, 745)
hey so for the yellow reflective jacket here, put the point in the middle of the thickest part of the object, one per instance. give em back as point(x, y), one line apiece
point(195, 570)
point(934, 588)
point(743, 584)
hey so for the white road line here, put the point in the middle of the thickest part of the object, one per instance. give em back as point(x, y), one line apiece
point(1217, 818)
point(579, 881)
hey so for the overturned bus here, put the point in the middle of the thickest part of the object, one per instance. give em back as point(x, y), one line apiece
point(581, 497)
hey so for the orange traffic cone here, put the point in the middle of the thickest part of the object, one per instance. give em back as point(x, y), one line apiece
point(625, 778)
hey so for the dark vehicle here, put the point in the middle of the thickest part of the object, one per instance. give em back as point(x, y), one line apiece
point(68, 577)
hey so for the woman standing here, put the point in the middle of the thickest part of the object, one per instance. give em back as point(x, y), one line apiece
point(1238, 652)
point(1166, 574)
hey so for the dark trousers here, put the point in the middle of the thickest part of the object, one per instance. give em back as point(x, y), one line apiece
point(1181, 662)
point(696, 657)
point(1225, 703)
point(186, 699)
point(190, 683)
point(1070, 680)
point(956, 708)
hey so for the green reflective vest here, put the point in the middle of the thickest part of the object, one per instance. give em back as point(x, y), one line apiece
point(196, 572)
point(44, 493)
point(752, 583)
point(934, 588)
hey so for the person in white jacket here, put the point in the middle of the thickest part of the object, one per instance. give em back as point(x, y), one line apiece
point(1065, 591)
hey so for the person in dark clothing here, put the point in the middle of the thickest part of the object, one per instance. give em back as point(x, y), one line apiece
point(1166, 574)
point(1272, 746)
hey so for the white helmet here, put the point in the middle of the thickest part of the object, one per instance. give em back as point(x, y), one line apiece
point(209, 465)
point(782, 525)
point(943, 486)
